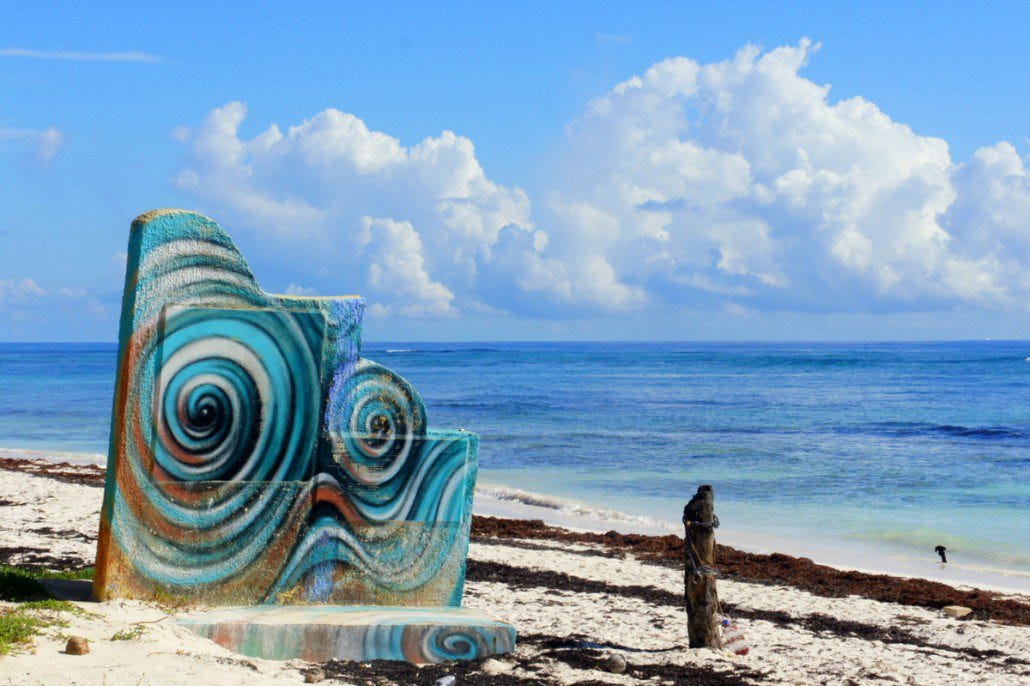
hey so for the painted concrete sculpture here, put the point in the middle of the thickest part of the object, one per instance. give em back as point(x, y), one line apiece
point(257, 459)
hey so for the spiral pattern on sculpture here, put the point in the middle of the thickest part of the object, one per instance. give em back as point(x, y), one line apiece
point(229, 411)
point(256, 455)
point(376, 420)
point(360, 634)
point(453, 643)
point(221, 422)
point(234, 412)
point(434, 642)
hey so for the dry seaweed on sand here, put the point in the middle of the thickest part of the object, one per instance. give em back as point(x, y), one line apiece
point(774, 568)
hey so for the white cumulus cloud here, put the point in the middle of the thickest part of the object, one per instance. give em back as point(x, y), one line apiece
point(397, 270)
point(352, 195)
point(739, 185)
point(41, 145)
point(17, 291)
point(743, 179)
point(29, 309)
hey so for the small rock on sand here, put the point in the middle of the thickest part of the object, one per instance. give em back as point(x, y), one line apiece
point(313, 676)
point(493, 666)
point(77, 646)
point(614, 663)
point(956, 611)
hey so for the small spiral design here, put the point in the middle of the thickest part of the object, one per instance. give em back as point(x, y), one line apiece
point(445, 643)
point(432, 639)
point(375, 420)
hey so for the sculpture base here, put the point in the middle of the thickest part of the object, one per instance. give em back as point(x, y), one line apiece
point(318, 633)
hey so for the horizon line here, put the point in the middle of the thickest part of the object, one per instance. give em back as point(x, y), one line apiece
point(624, 341)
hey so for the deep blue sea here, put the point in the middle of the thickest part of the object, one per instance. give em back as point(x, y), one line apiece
point(884, 446)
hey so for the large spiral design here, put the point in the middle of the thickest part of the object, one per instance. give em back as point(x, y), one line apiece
point(237, 397)
point(234, 415)
point(220, 413)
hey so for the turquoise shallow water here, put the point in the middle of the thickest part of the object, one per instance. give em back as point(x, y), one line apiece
point(898, 445)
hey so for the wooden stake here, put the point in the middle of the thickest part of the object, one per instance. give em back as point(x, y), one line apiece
point(700, 595)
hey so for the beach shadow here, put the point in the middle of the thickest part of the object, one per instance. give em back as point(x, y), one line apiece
point(572, 642)
point(618, 646)
point(77, 590)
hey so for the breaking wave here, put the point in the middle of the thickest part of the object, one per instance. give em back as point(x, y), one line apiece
point(56, 456)
point(573, 508)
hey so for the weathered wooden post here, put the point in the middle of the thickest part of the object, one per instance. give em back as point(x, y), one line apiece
point(700, 595)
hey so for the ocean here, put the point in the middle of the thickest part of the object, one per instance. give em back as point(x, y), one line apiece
point(865, 454)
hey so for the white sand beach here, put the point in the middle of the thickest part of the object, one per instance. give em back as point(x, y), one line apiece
point(574, 604)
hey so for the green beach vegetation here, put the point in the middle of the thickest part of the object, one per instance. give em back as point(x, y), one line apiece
point(130, 634)
point(37, 609)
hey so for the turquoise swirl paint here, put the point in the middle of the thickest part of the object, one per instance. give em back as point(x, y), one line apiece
point(257, 459)
point(319, 633)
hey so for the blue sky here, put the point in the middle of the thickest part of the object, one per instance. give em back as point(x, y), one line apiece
point(540, 171)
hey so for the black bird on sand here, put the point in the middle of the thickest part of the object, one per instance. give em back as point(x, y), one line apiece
point(940, 551)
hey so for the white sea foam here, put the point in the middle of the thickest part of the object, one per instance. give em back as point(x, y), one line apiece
point(865, 556)
point(98, 459)
point(573, 512)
